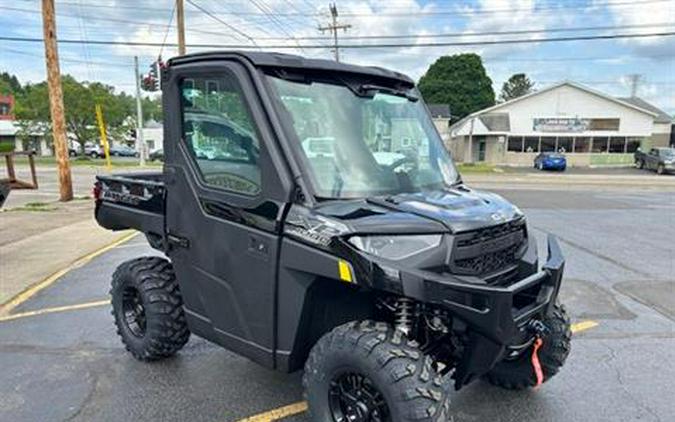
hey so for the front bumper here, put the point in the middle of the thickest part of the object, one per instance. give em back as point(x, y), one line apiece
point(496, 317)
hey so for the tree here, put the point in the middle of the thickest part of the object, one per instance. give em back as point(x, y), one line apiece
point(517, 86)
point(80, 99)
point(152, 108)
point(461, 82)
point(9, 84)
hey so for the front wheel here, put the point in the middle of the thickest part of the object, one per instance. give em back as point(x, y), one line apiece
point(369, 372)
point(148, 308)
point(518, 374)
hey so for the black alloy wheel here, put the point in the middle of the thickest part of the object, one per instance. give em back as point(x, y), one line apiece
point(354, 398)
point(134, 311)
point(367, 371)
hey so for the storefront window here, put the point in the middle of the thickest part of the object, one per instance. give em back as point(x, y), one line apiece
point(632, 144)
point(617, 144)
point(531, 144)
point(515, 143)
point(565, 144)
point(600, 143)
point(547, 144)
point(582, 144)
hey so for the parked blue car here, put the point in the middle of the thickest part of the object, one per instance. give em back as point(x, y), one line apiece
point(550, 161)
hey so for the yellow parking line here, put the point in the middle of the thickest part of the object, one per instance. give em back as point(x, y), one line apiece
point(30, 292)
point(279, 413)
point(583, 325)
point(55, 309)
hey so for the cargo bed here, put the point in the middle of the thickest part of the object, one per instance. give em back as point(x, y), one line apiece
point(132, 201)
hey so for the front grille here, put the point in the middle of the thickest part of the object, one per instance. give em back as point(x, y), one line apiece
point(490, 233)
point(489, 250)
point(489, 262)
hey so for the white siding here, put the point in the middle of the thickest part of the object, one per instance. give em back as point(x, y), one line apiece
point(568, 101)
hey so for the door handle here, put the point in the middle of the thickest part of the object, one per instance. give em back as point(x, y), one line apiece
point(178, 241)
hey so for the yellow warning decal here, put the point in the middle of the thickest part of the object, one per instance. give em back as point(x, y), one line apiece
point(345, 271)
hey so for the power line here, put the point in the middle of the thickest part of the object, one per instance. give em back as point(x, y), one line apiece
point(263, 8)
point(441, 12)
point(168, 28)
point(69, 60)
point(487, 33)
point(508, 59)
point(217, 19)
point(116, 20)
point(359, 46)
point(367, 37)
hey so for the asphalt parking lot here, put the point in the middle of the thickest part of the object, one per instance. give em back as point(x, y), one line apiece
point(620, 274)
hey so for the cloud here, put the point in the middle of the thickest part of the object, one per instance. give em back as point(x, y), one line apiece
point(654, 12)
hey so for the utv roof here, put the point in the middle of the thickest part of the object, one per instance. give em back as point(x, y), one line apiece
point(289, 61)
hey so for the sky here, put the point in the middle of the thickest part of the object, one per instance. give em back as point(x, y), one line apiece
point(604, 65)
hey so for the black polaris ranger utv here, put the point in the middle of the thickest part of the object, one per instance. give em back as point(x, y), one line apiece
point(311, 216)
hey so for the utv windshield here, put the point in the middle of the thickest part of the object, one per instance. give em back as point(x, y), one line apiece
point(361, 141)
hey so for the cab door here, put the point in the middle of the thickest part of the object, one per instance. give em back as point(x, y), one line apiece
point(226, 194)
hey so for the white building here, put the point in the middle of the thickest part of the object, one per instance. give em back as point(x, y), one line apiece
point(35, 141)
point(590, 127)
point(153, 135)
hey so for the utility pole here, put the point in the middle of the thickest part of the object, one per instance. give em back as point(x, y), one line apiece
point(634, 80)
point(333, 27)
point(140, 145)
point(56, 101)
point(180, 21)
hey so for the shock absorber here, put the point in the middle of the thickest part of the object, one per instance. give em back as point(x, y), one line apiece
point(404, 315)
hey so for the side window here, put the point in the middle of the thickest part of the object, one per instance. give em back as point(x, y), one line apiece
point(220, 133)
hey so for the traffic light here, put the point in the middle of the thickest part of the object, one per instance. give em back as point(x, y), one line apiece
point(150, 82)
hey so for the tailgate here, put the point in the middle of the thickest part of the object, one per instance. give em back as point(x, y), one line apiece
point(131, 201)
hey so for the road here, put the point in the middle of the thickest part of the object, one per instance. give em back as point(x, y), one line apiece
point(69, 365)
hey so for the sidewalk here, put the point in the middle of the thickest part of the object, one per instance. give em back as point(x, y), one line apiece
point(36, 244)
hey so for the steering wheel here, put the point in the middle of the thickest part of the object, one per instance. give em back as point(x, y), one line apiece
point(398, 163)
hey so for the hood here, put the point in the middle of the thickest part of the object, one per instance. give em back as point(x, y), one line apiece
point(454, 210)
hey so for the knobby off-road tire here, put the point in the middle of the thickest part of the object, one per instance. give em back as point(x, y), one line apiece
point(518, 374)
point(660, 169)
point(397, 369)
point(148, 308)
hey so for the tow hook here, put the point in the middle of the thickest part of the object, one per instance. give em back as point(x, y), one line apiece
point(540, 331)
point(538, 328)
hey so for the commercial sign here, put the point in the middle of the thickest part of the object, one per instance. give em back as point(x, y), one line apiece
point(560, 124)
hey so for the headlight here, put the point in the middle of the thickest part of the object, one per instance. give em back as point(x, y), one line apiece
point(395, 247)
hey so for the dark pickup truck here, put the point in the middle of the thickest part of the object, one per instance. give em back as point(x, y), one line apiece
point(661, 160)
point(371, 265)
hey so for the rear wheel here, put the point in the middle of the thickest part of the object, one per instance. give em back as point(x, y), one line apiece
point(369, 372)
point(148, 308)
point(660, 169)
point(518, 374)
point(641, 164)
